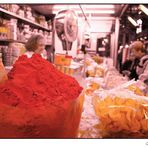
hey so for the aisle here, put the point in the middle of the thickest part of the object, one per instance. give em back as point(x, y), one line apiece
point(89, 121)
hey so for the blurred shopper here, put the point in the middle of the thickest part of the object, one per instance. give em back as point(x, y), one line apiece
point(36, 44)
point(137, 52)
point(119, 59)
point(142, 69)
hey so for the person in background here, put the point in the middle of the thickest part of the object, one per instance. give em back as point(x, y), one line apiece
point(36, 44)
point(130, 65)
point(119, 58)
point(142, 69)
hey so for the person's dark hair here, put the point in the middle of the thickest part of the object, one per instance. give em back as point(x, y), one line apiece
point(31, 44)
point(144, 50)
point(83, 48)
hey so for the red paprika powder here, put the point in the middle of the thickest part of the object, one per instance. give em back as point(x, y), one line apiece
point(36, 99)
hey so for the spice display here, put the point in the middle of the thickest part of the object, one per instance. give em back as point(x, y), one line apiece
point(39, 101)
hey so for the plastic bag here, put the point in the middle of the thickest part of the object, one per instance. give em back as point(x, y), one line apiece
point(122, 114)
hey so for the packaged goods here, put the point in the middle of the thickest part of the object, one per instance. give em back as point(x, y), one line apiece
point(91, 88)
point(61, 59)
point(113, 79)
point(38, 101)
point(122, 114)
point(98, 59)
point(136, 90)
point(3, 74)
point(100, 71)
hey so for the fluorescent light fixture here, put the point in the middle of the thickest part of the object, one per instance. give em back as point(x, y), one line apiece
point(97, 6)
point(100, 9)
point(132, 21)
point(93, 11)
point(84, 6)
point(144, 9)
point(57, 7)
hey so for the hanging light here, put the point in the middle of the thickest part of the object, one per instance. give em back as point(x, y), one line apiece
point(132, 21)
point(139, 27)
point(144, 9)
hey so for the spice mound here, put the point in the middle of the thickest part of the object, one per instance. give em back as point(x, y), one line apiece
point(37, 100)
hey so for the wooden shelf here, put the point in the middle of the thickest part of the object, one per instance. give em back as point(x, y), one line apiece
point(25, 20)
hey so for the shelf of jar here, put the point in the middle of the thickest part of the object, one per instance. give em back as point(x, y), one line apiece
point(27, 21)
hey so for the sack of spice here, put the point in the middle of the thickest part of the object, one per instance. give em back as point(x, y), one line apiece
point(122, 114)
point(38, 101)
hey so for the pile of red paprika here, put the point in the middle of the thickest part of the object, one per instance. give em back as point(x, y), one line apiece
point(35, 99)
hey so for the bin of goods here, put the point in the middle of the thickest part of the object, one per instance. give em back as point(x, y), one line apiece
point(38, 101)
point(122, 114)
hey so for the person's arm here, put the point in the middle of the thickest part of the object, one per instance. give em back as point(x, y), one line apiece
point(144, 76)
point(126, 68)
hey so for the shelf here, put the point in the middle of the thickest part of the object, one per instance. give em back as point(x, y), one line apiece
point(27, 21)
point(11, 40)
point(17, 41)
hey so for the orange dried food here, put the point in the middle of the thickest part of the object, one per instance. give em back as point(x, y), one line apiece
point(136, 126)
point(88, 91)
point(100, 72)
point(114, 115)
point(94, 86)
point(87, 62)
point(91, 88)
point(144, 124)
point(136, 90)
point(98, 59)
point(119, 101)
point(125, 115)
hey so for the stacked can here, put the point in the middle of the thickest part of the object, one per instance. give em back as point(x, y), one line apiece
point(7, 56)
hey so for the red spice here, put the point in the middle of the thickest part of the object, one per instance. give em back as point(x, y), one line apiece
point(36, 90)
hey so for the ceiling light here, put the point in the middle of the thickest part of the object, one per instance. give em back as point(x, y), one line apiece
point(144, 9)
point(94, 11)
point(97, 6)
point(132, 21)
point(100, 11)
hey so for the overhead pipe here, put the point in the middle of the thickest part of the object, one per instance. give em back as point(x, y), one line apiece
point(84, 16)
point(123, 10)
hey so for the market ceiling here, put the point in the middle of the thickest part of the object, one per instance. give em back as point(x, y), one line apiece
point(90, 10)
